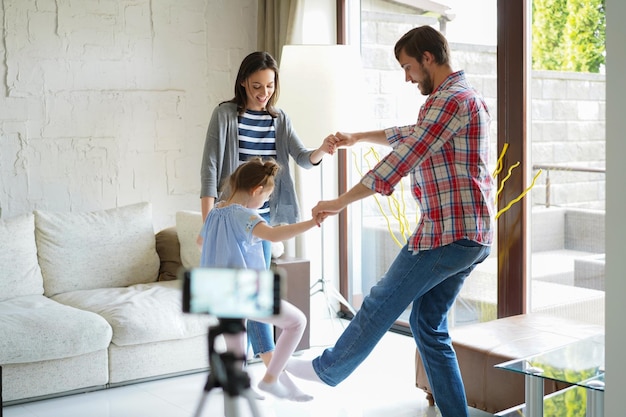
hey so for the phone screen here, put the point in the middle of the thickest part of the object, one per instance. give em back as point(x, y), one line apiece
point(231, 293)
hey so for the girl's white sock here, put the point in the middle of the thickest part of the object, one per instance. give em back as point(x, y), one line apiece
point(295, 394)
point(275, 388)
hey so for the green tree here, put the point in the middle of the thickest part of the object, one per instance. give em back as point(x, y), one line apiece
point(568, 35)
point(549, 17)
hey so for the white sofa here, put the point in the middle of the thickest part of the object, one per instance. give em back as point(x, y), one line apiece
point(87, 303)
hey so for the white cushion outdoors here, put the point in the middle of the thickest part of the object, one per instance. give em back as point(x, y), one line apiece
point(101, 249)
point(188, 226)
point(20, 273)
point(34, 328)
point(141, 313)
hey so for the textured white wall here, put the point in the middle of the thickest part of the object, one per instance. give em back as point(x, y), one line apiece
point(106, 103)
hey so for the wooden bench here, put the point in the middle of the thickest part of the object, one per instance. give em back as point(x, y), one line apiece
point(480, 346)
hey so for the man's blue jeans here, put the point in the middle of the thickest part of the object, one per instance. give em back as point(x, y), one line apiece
point(430, 280)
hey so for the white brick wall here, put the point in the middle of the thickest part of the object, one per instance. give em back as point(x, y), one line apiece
point(106, 103)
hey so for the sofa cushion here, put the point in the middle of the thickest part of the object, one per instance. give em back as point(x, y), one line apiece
point(168, 248)
point(100, 249)
point(35, 328)
point(20, 274)
point(141, 313)
point(188, 226)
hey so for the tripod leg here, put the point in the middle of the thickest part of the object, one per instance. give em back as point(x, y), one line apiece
point(231, 405)
point(247, 395)
point(211, 382)
point(319, 281)
point(331, 312)
point(329, 291)
point(200, 406)
point(341, 299)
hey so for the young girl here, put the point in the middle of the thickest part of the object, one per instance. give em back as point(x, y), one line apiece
point(232, 236)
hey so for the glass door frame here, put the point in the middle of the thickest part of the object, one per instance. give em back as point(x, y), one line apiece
point(512, 81)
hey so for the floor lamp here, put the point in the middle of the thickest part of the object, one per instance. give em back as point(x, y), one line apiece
point(320, 86)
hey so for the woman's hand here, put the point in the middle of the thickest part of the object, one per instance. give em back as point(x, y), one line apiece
point(328, 145)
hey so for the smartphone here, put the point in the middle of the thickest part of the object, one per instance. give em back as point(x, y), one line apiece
point(232, 293)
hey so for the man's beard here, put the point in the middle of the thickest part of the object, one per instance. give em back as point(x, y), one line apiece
point(426, 85)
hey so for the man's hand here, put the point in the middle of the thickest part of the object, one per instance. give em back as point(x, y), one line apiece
point(344, 140)
point(327, 208)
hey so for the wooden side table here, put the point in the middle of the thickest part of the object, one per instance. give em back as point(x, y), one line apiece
point(298, 282)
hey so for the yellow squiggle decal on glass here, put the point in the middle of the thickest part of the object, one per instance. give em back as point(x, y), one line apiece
point(397, 206)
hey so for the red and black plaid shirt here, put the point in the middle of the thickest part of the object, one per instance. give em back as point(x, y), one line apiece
point(446, 154)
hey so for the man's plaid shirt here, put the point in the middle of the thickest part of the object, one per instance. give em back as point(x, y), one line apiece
point(446, 154)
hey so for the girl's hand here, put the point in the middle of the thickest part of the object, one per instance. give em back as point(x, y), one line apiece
point(319, 218)
point(326, 208)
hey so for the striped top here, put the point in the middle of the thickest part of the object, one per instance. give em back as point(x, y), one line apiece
point(257, 137)
point(446, 155)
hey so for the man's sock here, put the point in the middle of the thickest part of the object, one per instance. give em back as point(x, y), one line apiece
point(303, 369)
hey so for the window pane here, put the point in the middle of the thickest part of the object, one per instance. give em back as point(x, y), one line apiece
point(568, 146)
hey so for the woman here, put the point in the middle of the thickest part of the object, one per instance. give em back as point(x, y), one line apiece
point(249, 125)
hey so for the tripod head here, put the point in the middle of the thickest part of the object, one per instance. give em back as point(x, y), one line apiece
point(226, 366)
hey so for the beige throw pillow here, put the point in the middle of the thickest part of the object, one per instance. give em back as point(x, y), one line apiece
point(100, 249)
point(188, 226)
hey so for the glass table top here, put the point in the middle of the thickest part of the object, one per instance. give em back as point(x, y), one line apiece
point(579, 363)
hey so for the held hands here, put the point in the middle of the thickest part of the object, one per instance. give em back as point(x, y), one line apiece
point(319, 219)
point(323, 209)
point(338, 140)
point(328, 146)
point(343, 139)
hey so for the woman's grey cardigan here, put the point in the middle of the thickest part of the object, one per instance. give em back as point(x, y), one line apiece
point(221, 158)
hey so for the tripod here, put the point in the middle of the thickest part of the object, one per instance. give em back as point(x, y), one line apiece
point(329, 291)
point(226, 373)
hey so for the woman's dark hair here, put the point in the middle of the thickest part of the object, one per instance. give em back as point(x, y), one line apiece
point(253, 173)
point(424, 39)
point(256, 61)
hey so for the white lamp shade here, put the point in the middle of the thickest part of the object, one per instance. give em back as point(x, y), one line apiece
point(320, 89)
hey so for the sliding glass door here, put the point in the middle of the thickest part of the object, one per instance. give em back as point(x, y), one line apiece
point(379, 226)
point(548, 130)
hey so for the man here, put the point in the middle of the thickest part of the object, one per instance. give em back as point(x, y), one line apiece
point(445, 153)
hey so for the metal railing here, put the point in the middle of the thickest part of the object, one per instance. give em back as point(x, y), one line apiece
point(547, 168)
